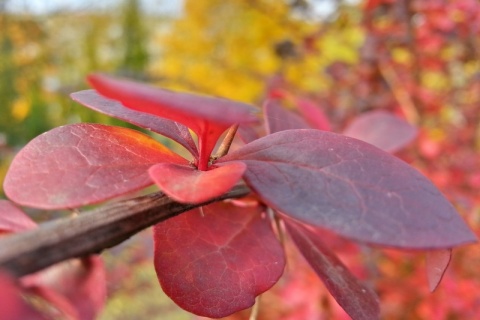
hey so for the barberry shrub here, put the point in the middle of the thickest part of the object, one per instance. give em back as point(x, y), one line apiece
point(216, 260)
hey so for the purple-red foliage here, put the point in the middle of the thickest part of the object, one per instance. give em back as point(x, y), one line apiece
point(216, 262)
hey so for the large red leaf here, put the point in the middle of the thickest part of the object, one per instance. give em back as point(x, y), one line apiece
point(277, 118)
point(189, 185)
point(351, 187)
point(12, 219)
point(207, 116)
point(437, 262)
point(358, 300)
point(216, 263)
point(81, 164)
point(383, 130)
point(168, 128)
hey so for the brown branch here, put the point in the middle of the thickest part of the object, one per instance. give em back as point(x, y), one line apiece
point(90, 232)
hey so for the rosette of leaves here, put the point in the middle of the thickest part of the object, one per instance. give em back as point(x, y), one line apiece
point(215, 262)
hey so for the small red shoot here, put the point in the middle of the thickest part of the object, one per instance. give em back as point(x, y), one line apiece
point(207, 116)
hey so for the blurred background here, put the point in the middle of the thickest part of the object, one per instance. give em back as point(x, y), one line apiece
point(416, 58)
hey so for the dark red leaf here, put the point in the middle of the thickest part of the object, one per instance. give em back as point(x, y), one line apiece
point(436, 263)
point(216, 263)
point(81, 164)
point(352, 188)
point(12, 219)
point(382, 129)
point(189, 185)
point(313, 115)
point(173, 130)
point(277, 118)
point(207, 116)
point(358, 300)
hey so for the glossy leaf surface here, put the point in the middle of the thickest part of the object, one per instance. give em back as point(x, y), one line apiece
point(382, 129)
point(82, 164)
point(189, 185)
point(173, 130)
point(12, 219)
point(351, 188)
point(277, 118)
point(207, 116)
point(358, 300)
point(437, 262)
point(217, 263)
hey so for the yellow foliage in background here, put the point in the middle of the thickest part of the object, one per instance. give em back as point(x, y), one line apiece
point(20, 109)
point(231, 48)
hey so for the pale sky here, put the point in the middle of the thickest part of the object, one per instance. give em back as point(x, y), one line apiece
point(43, 6)
point(322, 7)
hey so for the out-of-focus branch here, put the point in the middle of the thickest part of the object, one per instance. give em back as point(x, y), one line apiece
point(90, 232)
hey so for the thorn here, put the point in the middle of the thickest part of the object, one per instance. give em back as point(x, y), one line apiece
point(227, 142)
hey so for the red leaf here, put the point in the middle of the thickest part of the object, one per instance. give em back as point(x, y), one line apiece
point(383, 130)
point(11, 302)
point(12, 306)
point(314, 115)
point(436, 263)
point(207, 116)
point(217, 263)
point(189, 185)
point(358, 300)
point(168, 128)
point(77, 286)
point(12, 219)
point(278, 118)
point(248, 133)
point(352, 188)
point(82, 164)
point(62, 307)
